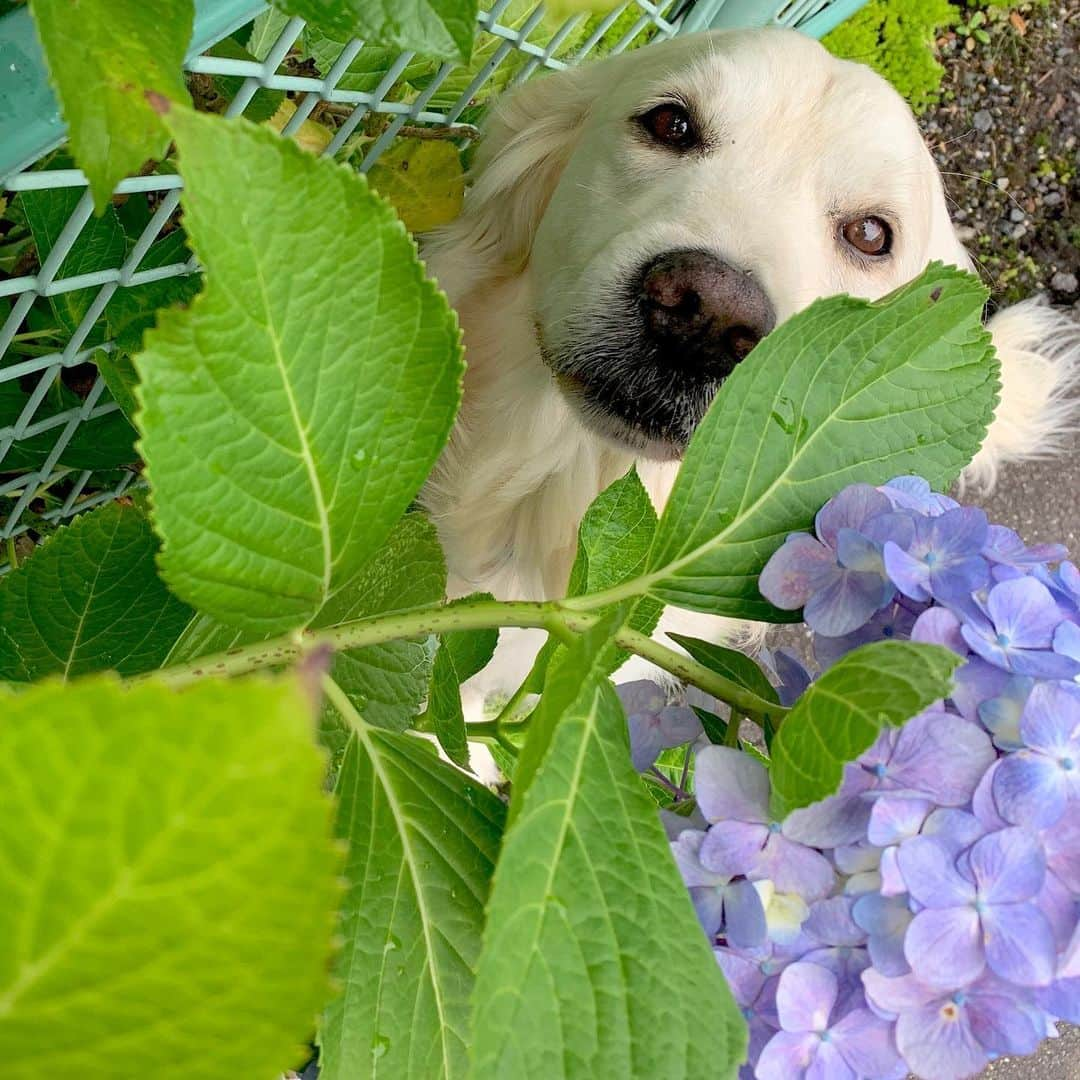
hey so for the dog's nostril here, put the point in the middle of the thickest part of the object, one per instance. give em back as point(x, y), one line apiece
point(740, 340)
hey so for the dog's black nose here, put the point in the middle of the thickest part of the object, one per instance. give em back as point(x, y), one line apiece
point(700, 310)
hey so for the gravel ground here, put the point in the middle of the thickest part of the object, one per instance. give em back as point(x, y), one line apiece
point(1006, 137)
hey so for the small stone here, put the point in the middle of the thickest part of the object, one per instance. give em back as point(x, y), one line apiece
point(1016, 214)
point(966, 233)
point(1019, 232)
point(1052, 198)
point(983, 121)
point(1002, 183)
point(1063, 282)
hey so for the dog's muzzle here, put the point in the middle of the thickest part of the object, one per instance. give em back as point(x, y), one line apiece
point(651, 365)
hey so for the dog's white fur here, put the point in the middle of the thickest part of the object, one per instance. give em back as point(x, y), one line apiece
point(566, 202)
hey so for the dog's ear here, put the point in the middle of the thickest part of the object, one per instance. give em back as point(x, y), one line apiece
point(526, 143)
point(1038, 348)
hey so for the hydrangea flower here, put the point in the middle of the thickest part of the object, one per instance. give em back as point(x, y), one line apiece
point(950, 1034)
point(946, 930)
point(654, 725)
point(978, 911)
point(1032, 786)
point(733, 793)
point(815, 1041)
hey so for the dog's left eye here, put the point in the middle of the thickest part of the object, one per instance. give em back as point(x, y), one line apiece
point(671, 125)
point(869, 235)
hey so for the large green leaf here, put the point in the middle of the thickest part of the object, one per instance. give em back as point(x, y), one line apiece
point(423, 840)
point(293, 411)
point(845, 391)
point(103, 56)
point(594, 963)
point(89, 599)
point(442, 29)
point(840, 715)
point(387, 683)
point(169, 880)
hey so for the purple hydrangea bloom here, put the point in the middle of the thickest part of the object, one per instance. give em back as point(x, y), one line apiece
point(1017, 630)
point(977, 911)
point(733, 793)
point(1033, 785)
point(1001, 715)
point(731, 907)
point(1067, 641)
point(951, 1034)
point(833, 940)
point(885, 920)
point(816, 1042)
point(810, 573)
point(654, 725)
point(944, 559)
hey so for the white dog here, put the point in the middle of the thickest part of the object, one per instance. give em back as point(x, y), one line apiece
point(634, 226)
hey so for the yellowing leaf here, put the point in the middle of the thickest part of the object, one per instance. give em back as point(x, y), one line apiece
point(423, 180)
point(311, 136)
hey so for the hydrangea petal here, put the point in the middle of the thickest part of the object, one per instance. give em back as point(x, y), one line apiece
point(939, 626)
point(944, 947)
point(845, 604)
point(885, 919)
point(730, 785)
point(797, 570)
point(1067, 641)
point(897, 818)
point(1029, 789)
point(744, 916)
point(1024, 611)
point(832, 822)
point(830, 922)
point(646, 739)
point(866, 1043)
point(733, 847)
point(1008, 866)
point(930, 875)
point(849, 509)
point(937, 1041)
point(805, 997)
point(786, 1056)
point(910, 575)
point(709, 904)
point(794, 868)
point(1019, 943)
point(687, 852)
point(999, 1020)
point(1051, 719)
point(941, 755)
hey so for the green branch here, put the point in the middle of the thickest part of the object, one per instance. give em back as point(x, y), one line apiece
point(554, 617)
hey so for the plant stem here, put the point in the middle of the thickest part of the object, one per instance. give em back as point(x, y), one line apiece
point(660, 778)
point(472, 615)
point(731, 736)
point(12, 554)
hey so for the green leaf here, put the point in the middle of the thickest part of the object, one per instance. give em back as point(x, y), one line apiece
point(265, 102)
point(614, 539)
point(89, 599)
point(461, 655)
point(281, 446)
point(730, 663)
point(593, 961)
point(442, 29)
point(423, 840)
point(102, 443)
point(386, 683)
point(100, 245)
point(132, 310)
point(168, 888)
point(368, 67)
point(103, 56)
point(265, 32)
point(845, 391)
point(839, 716)
point(423, 180)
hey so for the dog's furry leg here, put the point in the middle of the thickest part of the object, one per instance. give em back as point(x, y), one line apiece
point(1039, 351)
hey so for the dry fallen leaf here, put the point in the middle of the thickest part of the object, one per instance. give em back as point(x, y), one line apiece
point(1019, 23)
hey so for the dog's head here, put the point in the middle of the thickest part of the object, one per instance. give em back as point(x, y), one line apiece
point(670, 206)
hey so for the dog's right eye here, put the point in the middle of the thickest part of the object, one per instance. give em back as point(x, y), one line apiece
point(671, 125)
